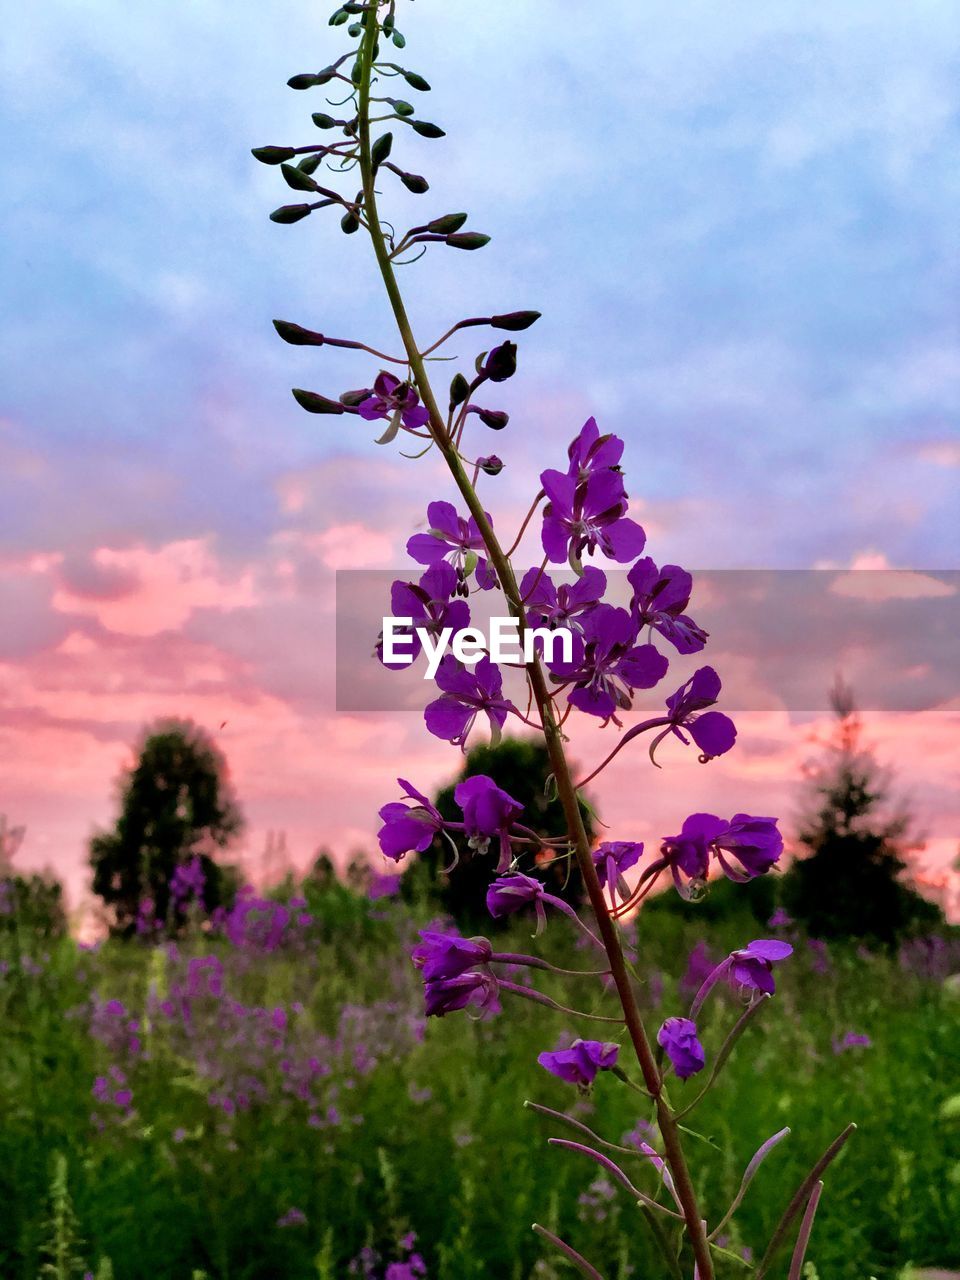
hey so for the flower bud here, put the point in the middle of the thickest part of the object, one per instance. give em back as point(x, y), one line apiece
point(415, 81)
point(515, 320)
point(297, 179)
point(413, 182)
point(323, 121)
point(273, 155)
point(308, 80)
point(449, 222)
point(311, 163)
point(291, 213)
point(399, 40)
point(467, 240)
point(297, 336)
point(426, 129)
point(314, 403)
point(349, 223)
point(495, 419)
point(352, 398)
point(338, 18)
point(459, 390)
point(492, 465)
point(401, 107)
point(381, 149)
point(501, 363)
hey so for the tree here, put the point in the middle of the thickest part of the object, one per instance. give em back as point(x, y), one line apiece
point(850, 882)
point(521, 767)
point(175, 805)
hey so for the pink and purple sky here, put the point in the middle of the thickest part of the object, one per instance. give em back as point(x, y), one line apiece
point(742, 234)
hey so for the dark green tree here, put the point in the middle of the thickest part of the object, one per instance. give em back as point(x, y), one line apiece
point(521, 767)
point(850, 883)
point(175, 804)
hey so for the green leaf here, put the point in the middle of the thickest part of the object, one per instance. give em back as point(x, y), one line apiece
point(297, 179)
point(467, 240)
point(426, 129)
point(950, 1109)
point(314, 403)
point(288, 213)
point(449, 222)
point(273, 155)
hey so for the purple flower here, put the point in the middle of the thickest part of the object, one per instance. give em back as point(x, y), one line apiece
point(563, 606)
point(752, 968)
point(678, 1039)
point(465, 694)
point(453, 539)
point(588, 515)
point(607, 664)
point(593, 452)
point(612, 858)
point(851, 1041)
point(445, 995)
point(442, 955)
point(383, 885)
point(688, 854)
point(408, 828)
point(293, 1218)
point(713, 732)
point(514, 892)
point(487, 814)
point(431, 604)
point(754, 842)
point(187, 881)
point(391, 398)
point(659, 599)
point(580, 1063)
point(780, 919)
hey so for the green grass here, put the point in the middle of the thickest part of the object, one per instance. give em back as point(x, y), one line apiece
point(435, 1138)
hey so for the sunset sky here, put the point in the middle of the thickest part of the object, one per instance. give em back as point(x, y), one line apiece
point(740, 224)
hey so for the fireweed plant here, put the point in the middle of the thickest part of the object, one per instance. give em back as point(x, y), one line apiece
point(583, 508)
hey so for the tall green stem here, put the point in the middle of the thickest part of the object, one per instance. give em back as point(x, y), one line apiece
point(609, 933)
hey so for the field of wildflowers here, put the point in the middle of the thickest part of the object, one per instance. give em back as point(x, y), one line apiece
point(266, 1098)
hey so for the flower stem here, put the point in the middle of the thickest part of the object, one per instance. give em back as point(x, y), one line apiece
point(552, 736)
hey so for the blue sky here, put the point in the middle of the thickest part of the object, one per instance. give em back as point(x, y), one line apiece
point(739, 221)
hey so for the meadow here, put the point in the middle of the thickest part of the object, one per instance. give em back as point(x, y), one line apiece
point(267, 1100)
